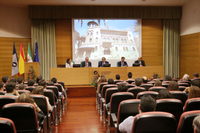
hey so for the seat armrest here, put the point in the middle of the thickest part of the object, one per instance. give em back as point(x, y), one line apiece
point(103, 100)
point(113, 117)
point(42, 122)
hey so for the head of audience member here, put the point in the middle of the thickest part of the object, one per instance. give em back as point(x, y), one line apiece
point(195, 83)
point(10, 87)
point(158, 83)
point(194, 92)
point(86, 59)
point(185, 77)
point(38, 90)
point(122, 59)
point(144, 80)
point(5, 79)
point(31, 82)
point(138, 81)
point(117, 77)
point(163, 94)
point(129, 75)
point(147, 104)
point(21, 87)
point(20, 80)
point(173, 86)
point(110, 81)
point(139, 59)
point(122, 88)
point(38, 79)
point(1, 86)
point(25, 98)
point(103, 59)
point(167, 78)
point(13, 80)
point(50, 83)
point(54, 80)
point(196, 124)
point(196, 75)
point(68, 61)
point(43, 83)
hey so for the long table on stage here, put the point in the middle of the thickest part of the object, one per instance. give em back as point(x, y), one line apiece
point(84, 76)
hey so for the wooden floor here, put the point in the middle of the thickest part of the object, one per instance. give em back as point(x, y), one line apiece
point(80, 116)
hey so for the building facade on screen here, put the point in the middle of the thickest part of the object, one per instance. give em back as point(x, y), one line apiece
point(108, 42)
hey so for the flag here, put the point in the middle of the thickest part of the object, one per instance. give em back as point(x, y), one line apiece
point(15, 69)
point(29, 55)
point(21, 60)
point(36, 57)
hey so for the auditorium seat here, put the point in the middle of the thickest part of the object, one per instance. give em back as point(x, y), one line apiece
point(161, 80)
point(30, 88)
point(186, 120)
point(23, 91)
point(179, 95)
point(130, 81)
point(98, 95)
point(151, 93)
point(192, 104)
point(151, 82)
point(183, 84)
point(121, 83)
point(157, 88)
point(63, 96)
point(174, 79)
point(154, 122)
point(7, 126)
point(116, 81)
point(181, 88)
point(136, 90)
point(166, 82)
point(2, 93)
point(146, 86)
point(173, 106)
point(165, 85)
point(130, 86)
point(5, 100)
point(115, 100)
point(126, 108)
point(24, 117)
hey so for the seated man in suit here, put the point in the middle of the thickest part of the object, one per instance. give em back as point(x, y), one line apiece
point(86, 63)
point(140, 61)
point(101, 63)
point(122, 63)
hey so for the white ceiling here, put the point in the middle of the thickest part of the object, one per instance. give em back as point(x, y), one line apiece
point(25, 3)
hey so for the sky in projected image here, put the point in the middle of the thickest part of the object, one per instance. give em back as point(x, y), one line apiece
point(106, 38)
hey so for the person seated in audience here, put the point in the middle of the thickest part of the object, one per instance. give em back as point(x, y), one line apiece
point(185, 77)
point(101, 63)
point(38, 79)
point(140, 61)
point(20, 80)
point(26, 98)
point(117, 78)
point(31, 82)
point(196, 124)
point(102, 79)
point(147, 104)
point(110, 81)
point(129, 76)
point(193, 91)
point(86, 63)
point(5, 79)
point(195, 83)
point(69, 63)
point(167, 78)
point(144, 80)
point(40, 91)
point(50, 83)
point(173, 86)
point(54, 80)
point(10, 89)
point(157, 83)
point(122, 63)
point(1, 86)
point(13, 80)
point(195, 75)
point(21, 87)
point(138, 82)
point(163, 94)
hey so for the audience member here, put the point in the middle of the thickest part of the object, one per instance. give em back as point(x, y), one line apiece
point(69, 63)
point(20, 80)
point(1, 86)
point(26, 98)
point(167, 78)
point(13, 80)
point(122, 63)
point(110, 81)
point(157, 83)
point(129, 75)
point(50, 83)
point(138, 82)
point(173, 86)
point(31, 82)
point(21, 87)
point(185, 77)
point(164, 94)
point(195, 83)
point(195, 75)
point(10, 89)
point(196, 124)
point(102, 79)
point(38, 79)
point(147, 103)
point(54, 80)
point(101, 63)
point(117, 77)
point(40, 91)
point(144, 80)
point(193, 91)
point(5, 79)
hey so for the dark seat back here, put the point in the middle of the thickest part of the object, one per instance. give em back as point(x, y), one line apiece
point(2, 93)
point(6, 100)
point(23, 115)
point(157, 88)
point(7, 126)
point(130, 81)
point(183, 84)
point(173, 106)
point(181, 88)
point(151, 93)
point(109, 93)
point(146, 86)
point(55, 90)
point(30, 88)
point(59, 87)
point(121, 83)
point(117, 81)
point(179, 95)
point(130, 86)
point(186, 120)
point(23, 91)
point(101, 86)
point(165, 85)
point(62, 83)
point(105, 87)
point(50, 95)
point(192, 104)
point(154, 122)
point(136, 90)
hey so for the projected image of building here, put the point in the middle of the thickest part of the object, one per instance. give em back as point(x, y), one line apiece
point(100, 42)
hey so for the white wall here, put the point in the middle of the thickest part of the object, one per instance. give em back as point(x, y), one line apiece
point(190, 22)
point(14, 22)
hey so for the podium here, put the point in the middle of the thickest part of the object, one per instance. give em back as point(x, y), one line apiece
point(31, 66)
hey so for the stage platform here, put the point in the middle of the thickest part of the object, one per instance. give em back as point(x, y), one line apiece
point(75, 91)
